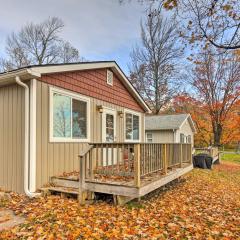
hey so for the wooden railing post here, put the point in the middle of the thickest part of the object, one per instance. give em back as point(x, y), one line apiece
point(211, 151)
point(137, 170)
point(91, 164)
point(165, 158)
point(181, 155)
point(191, 155)
point(81, 195)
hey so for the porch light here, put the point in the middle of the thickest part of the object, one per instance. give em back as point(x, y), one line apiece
point(100, 108)
point(120, 113)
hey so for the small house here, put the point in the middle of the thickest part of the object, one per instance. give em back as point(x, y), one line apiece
point(81, 126)
point(175, 128)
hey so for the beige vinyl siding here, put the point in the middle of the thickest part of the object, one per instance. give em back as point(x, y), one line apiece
point(11, 138)
point(55, 158)
point(161, 136)
point(186, 130)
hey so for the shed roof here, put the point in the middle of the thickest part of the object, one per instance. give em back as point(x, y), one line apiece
point(168, 122)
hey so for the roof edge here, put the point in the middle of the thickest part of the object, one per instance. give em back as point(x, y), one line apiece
point(191, 122)
point(35, 71)
point(9, 77)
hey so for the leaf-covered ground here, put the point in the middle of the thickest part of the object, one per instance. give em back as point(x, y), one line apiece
point(203, 205)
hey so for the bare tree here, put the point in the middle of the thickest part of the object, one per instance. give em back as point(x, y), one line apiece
point(154, 61)
point(215, 22)
point(38, 44)
point(68, 53)
point(216, 79)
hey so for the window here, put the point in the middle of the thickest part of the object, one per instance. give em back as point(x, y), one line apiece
point(68, 117)
point(132, 126)
point(189, 139)
point(182, 138)
point(149, 137)
point(109, 127)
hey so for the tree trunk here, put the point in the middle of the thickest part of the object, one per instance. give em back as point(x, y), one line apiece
point(217, 132)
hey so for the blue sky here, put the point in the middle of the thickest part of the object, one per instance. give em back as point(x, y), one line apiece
point(100, 29)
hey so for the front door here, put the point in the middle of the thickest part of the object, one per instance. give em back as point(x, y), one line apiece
point(109, 135)
point(109, 126)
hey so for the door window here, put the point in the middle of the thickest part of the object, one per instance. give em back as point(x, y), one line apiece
point(109, 127)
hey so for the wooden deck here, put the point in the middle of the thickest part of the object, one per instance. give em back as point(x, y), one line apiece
point(125, 170)
point(122, 188)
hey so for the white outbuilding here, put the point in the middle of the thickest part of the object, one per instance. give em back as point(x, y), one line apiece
point(175, 128)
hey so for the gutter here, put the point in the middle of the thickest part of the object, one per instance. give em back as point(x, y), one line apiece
point(26, 140)
point(9, 77)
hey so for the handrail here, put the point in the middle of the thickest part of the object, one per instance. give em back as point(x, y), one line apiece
point(132, 143)
point(210, 150)
point(82, 174)
point(85, 151)
point(206, 148)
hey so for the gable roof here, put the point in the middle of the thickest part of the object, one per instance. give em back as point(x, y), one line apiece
point(168, 122)
point(36, 71)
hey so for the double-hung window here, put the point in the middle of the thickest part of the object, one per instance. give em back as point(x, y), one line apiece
point(69, 117)
point(132, 127)
point(182, 138)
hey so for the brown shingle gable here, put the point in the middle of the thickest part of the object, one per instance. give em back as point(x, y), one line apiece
point(93, 83)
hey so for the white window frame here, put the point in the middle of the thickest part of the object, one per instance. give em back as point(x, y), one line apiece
point(184, 137)
point(147, 138)
point(72, 96)
point(140, 125)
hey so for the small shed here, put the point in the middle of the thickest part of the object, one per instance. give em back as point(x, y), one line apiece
point(175, 128)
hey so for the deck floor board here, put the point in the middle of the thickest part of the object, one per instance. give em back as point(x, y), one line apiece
point(149, 183)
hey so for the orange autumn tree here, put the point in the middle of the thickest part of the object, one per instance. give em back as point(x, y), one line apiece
point(215, 81)
point(184, 103)
point(231, 133)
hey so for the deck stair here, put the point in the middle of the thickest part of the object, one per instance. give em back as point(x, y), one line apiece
point(65, 182)
point(66, 190)
point(62, 185)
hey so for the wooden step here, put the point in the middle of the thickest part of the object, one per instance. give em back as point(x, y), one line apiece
point(68, 192)
point(64, 182)
point(57, 189)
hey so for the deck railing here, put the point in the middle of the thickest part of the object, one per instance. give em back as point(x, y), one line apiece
point(114, 159)
point(159, 157)
point(131, 161)
point(212, 151)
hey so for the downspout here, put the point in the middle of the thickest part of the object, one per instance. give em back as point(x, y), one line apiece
point(26, 140)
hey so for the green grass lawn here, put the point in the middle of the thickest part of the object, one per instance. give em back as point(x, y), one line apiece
point(231, 157)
